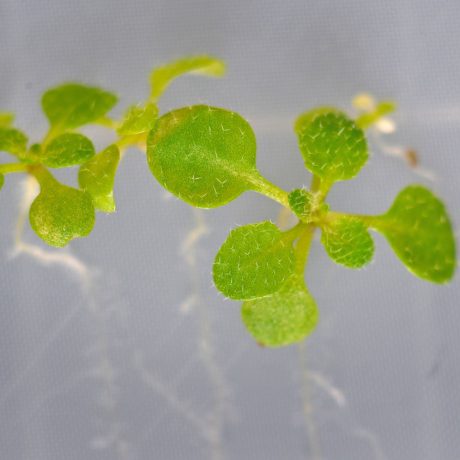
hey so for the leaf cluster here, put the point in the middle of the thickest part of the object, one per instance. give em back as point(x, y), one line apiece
point(206, 156)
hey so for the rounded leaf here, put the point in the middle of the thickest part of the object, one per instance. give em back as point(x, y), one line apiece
point(348, 242)
point(418, 229)
point(72, 105)
point(283, 318)
point(97, 177)
point(12, 140)
point(204, 155)
point(60, 213)
point(333, 147)
point(68, 149)
point(300, 202)
point(254, 261)
point(139, 119)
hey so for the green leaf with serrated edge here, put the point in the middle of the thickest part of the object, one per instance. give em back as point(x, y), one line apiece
point(12, 140)
point(283, 318)
point(333, 147)
point(348, 242)
point(139, 119)
point(204, 155)
point(2, 181)
point(304, 120)
point(161, 77)
point(72, 105)
point(300, 202)
point(60, 213)
point(97, 177)
point(6, 119)
point(253, 262)
point(68, 149)
point(418, 229)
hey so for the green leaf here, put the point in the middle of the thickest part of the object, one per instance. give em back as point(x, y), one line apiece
point(283, 318)
point(68, 149)
point(204, 155)
point(139, 119)
point(253, 262)
point(304, 119)
point(348, 242)
point(2, 181)
point(60, 213)
point(161, 77)
point(6, 119)
point(418, 229)
point(333, 147)
point(300, 202)
point(12, 140)
point(97, 177)
point(72, 105)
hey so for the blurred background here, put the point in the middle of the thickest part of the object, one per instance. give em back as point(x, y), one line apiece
point(126, 351)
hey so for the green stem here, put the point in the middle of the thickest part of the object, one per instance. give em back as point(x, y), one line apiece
point(107, 122)
point(293, 233)
point(262, 185)
point(131, 140)
point(368, 221)
point(13, 168)
point(315, 184)
point(42, 175)
point(52, 133)
point(302, 249)
point(320, 188)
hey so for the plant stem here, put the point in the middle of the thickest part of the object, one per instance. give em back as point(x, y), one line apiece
point(368, 221)
point(13, 168)
point(42, 174)
point(262, 185)
point(52, 132)
point(315, 184)
point(124, 142)
point(320, 188)
point(107, 122)
point(302, 249)
point(294, 232)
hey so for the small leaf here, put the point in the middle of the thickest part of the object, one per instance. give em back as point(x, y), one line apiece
point(204, 155)
point(333, 147)
point(253, 262)
point(300, 202)
point(162, 77)
point(12, 141)
point(60, 213)
point(6, 119)
point(68, 149)
point(283, 318)
point(97, 177)
point(2, 181)
point(418, 229)
point(139, 119)
point(348, 242)
point(72, 105)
